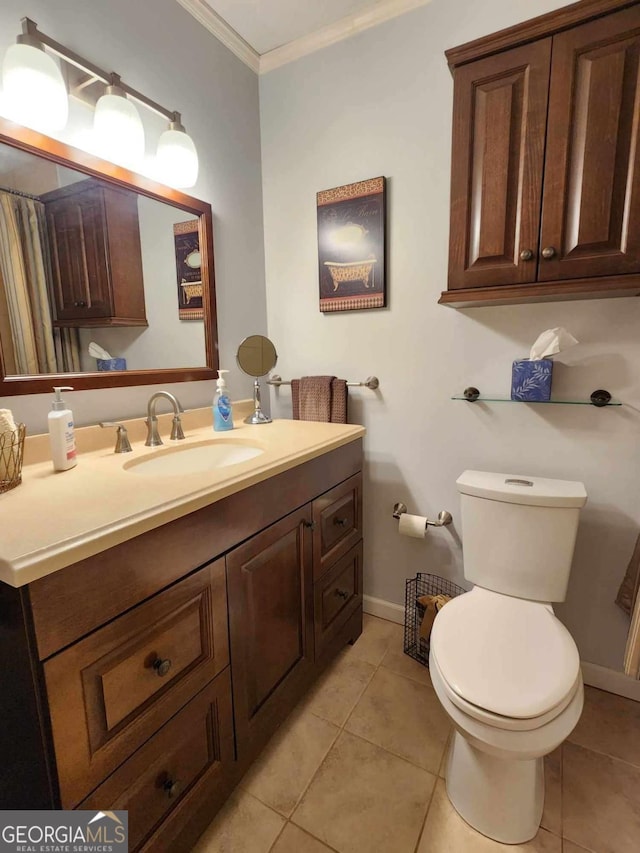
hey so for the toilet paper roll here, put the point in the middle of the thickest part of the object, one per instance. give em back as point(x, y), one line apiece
point(412, 525)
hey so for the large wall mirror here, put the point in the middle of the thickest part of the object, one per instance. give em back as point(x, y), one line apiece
point(90, 252)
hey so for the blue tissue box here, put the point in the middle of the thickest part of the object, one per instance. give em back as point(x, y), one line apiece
point(531, 380)
point(112, 363)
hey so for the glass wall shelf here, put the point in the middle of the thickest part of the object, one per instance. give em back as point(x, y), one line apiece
point(600, 399)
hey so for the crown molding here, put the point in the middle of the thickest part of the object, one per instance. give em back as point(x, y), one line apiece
point(340, 30)
point(209, 19)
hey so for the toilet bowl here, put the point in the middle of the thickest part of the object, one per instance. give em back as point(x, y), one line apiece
point(517, 658)
point(505, 669)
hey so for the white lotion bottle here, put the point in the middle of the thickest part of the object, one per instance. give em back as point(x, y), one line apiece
point(61, 434)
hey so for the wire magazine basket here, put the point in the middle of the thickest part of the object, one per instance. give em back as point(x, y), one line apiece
point(11, 453)
point(416, 646)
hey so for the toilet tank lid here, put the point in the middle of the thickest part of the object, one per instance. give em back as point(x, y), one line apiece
point(522, 489)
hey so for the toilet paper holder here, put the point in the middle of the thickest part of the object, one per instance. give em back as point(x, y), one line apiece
point(443, 519)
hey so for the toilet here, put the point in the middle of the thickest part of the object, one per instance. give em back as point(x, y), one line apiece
point(505, 669)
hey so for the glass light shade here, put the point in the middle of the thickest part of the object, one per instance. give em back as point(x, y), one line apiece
point(118, 131)
point(177, 159)
point(33, 88)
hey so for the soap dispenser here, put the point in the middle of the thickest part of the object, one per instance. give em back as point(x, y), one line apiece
point(61, 433)
point(222, 415)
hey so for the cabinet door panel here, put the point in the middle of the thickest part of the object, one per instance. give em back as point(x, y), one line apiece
point(591, 200)
point(499, 122)
point(79, 256)
point(270, 623)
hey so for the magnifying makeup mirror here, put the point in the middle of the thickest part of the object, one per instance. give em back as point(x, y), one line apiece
point(257, 356)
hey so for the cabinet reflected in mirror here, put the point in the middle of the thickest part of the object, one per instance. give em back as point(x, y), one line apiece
point(115, 259)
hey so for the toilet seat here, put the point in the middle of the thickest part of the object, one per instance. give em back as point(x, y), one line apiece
point(505, 661)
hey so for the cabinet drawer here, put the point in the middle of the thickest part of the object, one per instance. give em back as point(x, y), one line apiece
point(336, 596)
point(197, 741)
point(338, 523)
point(112, 690)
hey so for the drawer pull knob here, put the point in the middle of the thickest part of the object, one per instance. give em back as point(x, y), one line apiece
point(80, 304)
point(341, 522)
point(311, 525)
point(172, 788)
point(526, 255)
point(162, 666)
point(548, 252)
point(342, 593)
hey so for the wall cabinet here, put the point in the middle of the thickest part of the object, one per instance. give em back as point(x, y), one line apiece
point(545, 191)
point(96, 258)
point(149, 676)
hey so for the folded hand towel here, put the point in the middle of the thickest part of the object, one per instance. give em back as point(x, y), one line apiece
point(628, 592)
point(432, 604)
point(7, 424)
point(319, 398)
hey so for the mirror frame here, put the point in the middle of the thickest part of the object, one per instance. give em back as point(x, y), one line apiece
point(65, 155)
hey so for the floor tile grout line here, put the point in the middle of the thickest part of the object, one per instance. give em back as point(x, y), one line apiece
point(396, 754)
point(562, 793)
point(426, 815)
point(282, 829)
point(605, 754)
point(313, 775)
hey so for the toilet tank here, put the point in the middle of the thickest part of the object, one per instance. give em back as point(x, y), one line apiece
point(519, 532)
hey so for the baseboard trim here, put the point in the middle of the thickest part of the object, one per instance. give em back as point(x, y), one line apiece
point(383, 609)
point(610, 680)
point(594, 675)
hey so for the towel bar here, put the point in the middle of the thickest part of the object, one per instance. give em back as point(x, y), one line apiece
point(371, 382)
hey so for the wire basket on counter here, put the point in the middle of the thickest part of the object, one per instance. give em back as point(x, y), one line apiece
point(416, 646)
point(11, 454)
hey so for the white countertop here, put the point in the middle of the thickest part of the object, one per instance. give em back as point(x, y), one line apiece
point(54, 519)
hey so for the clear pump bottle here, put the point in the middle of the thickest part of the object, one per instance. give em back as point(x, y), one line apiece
point(222, 414)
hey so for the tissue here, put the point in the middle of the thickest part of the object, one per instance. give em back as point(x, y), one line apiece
point(551, 342)
point(104, 360)
point(531, 378)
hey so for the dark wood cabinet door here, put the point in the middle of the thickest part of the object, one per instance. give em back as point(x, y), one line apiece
point(78, 238)
point(499, 123)
point(591, 200)
point(271, 626)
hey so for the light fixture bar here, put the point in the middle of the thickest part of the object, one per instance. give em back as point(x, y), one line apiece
point(30, 29)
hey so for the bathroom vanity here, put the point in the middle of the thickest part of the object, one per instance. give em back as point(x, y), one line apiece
point(146, 660)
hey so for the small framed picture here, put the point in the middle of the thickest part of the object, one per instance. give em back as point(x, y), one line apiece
point(186, 236)
point(351, 246)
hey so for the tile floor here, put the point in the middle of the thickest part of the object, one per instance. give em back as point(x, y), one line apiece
point(357, 768)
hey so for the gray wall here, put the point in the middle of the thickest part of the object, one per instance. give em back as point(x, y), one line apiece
point(380, 104)
point(161, 50)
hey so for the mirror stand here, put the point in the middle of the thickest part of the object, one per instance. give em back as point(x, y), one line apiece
point(258, 416)
point(256, 356)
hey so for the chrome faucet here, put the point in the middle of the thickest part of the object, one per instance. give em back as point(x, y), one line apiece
point(153, 437)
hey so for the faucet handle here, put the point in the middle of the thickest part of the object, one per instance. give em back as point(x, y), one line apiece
point(123, 444)
point(177, 433)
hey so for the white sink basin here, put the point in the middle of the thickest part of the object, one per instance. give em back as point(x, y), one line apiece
point(194, 458)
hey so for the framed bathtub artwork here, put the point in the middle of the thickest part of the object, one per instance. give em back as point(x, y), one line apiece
point(188, 262)
point(351, 246)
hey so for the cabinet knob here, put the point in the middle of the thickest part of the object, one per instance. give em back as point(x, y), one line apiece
point(526, 255)
point(342, 593)
point(548, 252)
point(310, 525)
point(162, 666)
point(341, 522)
point(172, 788)
point(80, 304)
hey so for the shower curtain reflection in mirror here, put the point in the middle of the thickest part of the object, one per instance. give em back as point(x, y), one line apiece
point(30, 344)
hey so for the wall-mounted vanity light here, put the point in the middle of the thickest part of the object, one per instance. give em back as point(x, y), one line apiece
point(35, 94)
